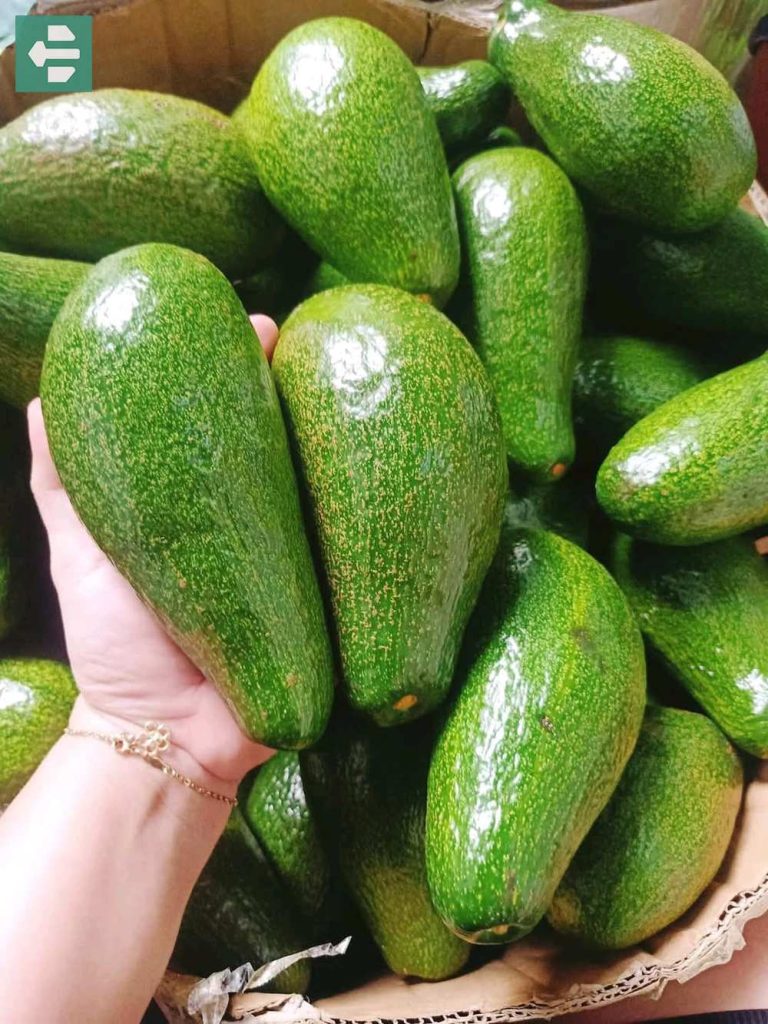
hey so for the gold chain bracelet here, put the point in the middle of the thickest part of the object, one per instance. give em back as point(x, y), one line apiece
point(149, 745)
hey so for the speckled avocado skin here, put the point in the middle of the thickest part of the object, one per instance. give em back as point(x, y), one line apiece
point(694, 469)
point(368, 789)
point(239, 913)
point(467, 99)
point(704, 610)
point(525, 251)
point(619, 380)
point(376, 203)
point(277, 812)
point(166, 429)
point(547, 714)
point(85, 175)
point(661, 839)
point(399, 445)
point(32, 291)
point(713, 280)
point(36, 698)
point(645, 125)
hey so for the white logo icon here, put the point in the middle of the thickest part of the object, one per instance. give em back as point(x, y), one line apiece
point(40, 54)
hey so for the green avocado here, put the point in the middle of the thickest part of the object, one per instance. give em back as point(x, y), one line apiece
point(644, 124)
point(367, 787)
point(36, 698)
point(703, 611)
point(525, 248)
point(239, 913)
point(32, 291)
point(467, 99)
point(323, 277)
point(551, 699)
point(348, 151)
point(710, 281)
point(619, 380)
point(277, 812)
point(563, 507)
point(116, 167)
point(661, 839)
point(399, 445)
point(694, 469)
point(166, 430)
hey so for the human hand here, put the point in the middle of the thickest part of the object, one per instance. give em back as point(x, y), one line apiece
point(127, 668)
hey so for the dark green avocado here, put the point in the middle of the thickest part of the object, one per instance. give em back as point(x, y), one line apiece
point(467, 99)
point(348, 151)
point(694, 469)
point(704, 612)
point(549, 705)
point(661, 839)
point(32, 292)
point(367, 788)
point(648, 129)
point(166, 430)
point(400, 450)
point(117, 167)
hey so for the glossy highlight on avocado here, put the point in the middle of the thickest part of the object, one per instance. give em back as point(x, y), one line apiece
point(348, 151)
point(32, 291)
point(399, 447)
point(117, 167)
point(550, 703)
point(525, 250)
point(661, 839)
point(166, 429)
point(644, 124)
point(704, 611)
point(694, 469)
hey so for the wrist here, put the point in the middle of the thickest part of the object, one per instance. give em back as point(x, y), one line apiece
point(86, 718)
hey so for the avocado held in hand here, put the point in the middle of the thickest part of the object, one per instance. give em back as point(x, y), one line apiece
point(694, 469)
point(348, 151)
point(521, 297)
point(661, 839)
point(549, 709)
point(116, 167)
point(32, 291)
point(648, 128)
point(400, 449)
point(166, 429)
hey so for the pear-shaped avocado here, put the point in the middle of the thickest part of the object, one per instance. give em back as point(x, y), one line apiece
point(348, 151)
point(400, 447)
point(166, 429)
point(649, 129)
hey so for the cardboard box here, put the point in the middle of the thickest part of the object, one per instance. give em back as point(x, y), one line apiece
point(210, 50)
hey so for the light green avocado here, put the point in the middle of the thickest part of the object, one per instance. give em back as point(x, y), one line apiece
point(661, 839)
point(548, 709)
point(166, 430)
point(399, 446)
point(641, 122)
point(348, 151)
point(116, 167)
point(36, 698)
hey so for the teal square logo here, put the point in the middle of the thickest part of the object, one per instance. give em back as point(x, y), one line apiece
point(54, 54)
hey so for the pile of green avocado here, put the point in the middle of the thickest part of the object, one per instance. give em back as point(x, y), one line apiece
point(513, 441)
